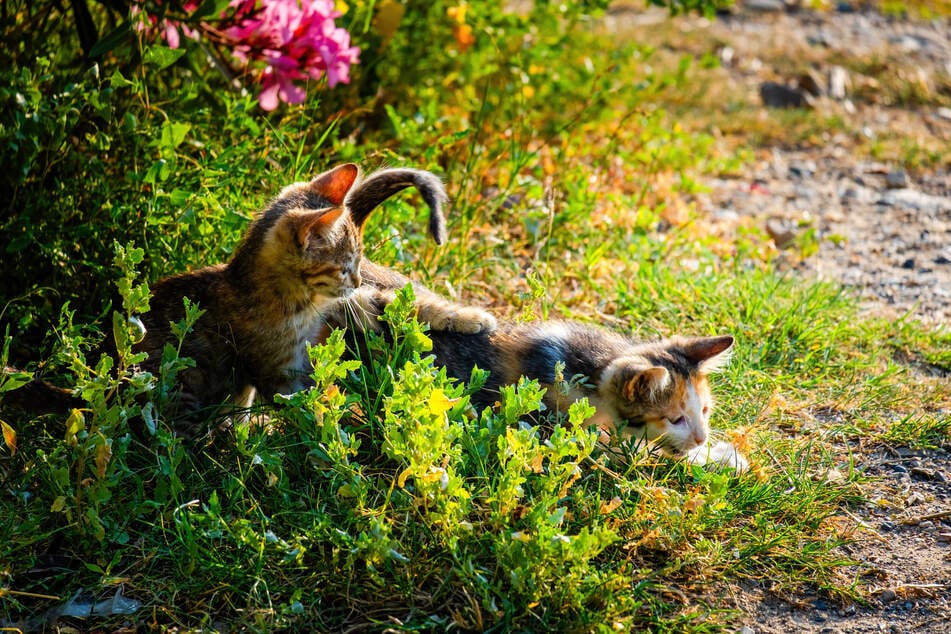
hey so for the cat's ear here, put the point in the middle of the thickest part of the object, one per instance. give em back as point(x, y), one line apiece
point(334, 184)
point(316, 225)
point(643, 384)
point(709, 353)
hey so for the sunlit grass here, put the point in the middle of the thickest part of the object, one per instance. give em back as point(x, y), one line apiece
point(354, 505)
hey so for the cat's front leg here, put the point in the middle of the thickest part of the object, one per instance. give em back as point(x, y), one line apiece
point(444, 315)
point(721, 454)
point(361, 310)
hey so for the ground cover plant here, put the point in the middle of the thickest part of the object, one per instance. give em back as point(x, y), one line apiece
point(379, 499)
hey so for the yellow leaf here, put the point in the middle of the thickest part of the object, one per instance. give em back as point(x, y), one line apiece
point(439, 403)
point(389, 14)
point(9, 437)
point(103, 456)
point(58, 504)
point(74, 424)
point(693, 503)
point(401, 480)
point(607, 507)
point(457, 14)
point(536, 463)
point(341, 7)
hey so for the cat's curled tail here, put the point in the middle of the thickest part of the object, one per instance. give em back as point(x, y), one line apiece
point(368, 193)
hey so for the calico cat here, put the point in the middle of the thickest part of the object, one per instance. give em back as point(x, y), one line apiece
point(657, 392)
point(300, 257)
point(652, 391)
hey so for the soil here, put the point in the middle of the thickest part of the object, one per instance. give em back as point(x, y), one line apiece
point(879, 229)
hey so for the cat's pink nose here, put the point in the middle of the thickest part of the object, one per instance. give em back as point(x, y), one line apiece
point(700, 436)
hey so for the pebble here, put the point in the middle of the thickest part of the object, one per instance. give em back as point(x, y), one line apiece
point(922, 474)
point(896, 179)
point(944, 536)
point(776, 95)
point(887, 596)
point(781, 231)
point(765, 6)
point(838, 81)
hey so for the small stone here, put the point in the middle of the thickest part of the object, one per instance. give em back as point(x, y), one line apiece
point(921, 473)
point(782, 232)
point(908, 264)
point(746, 629)
point(803, 170)
point(844, 7)
point(914, 498)
point(926, 524)
point(726, 55)
point(765, 6)
point(944, 113)
point(887, 596)
point(896, 179)
point(838, 82)
point(899, 468)
point(776, 95)
point(944, 536)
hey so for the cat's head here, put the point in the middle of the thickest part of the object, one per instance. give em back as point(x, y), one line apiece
point(313, 230)
point(661, 393)
point(304, 244)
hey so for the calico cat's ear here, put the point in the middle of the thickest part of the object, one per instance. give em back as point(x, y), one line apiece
point(315, 225)
point(379, 186)
point(335, 184)
point(708, 353)
point(642, 384)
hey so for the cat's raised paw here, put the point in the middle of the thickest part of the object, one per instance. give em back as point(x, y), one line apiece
point(722, 454)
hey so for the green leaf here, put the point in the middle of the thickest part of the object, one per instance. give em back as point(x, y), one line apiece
point(113, 39)
point(173, 134)
point(210, 9)
point(162, 56)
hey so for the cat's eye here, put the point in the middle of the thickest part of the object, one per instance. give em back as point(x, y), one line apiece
point(679, 421)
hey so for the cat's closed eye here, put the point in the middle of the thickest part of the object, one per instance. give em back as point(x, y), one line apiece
point(679, 421)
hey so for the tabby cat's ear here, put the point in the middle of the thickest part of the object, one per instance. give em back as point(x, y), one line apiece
point(336, 183)
point(316, 225)
point(709, 353)
point(643, 384)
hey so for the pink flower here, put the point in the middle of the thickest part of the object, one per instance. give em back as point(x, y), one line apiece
point(294, 40)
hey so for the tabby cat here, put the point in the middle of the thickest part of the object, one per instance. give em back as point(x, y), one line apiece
point(300, 257)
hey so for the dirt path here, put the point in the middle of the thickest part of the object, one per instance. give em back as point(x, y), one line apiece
point(878, 228)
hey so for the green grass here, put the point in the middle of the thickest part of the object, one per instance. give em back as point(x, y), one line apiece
point(379, 499)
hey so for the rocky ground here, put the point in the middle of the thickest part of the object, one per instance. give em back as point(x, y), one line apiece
point(879, 227)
